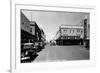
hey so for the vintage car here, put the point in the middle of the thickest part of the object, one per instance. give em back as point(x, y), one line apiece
point(28, 50)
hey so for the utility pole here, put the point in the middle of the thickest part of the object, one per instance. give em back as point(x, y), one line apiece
point(31, 15)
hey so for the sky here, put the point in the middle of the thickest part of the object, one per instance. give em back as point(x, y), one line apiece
point(50, 21)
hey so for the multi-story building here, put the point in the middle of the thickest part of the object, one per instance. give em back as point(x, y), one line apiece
point(77, 34)
point(69, 33)
point(30, 30)
point(32, 37)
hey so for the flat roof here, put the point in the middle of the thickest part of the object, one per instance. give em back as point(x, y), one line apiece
point(72, 26)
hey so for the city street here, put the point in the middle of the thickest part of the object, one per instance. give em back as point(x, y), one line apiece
point(60, 53)
point(53, 29)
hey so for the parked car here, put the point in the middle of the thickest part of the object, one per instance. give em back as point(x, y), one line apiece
point(28, 50)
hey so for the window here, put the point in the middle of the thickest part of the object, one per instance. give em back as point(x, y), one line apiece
point(78, 30)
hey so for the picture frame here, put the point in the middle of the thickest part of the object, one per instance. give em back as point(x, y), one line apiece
point(17, 67)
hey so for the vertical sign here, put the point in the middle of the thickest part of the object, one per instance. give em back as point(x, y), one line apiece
point(85, 28)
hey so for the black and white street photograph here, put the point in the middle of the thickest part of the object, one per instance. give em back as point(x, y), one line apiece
point(48, 36)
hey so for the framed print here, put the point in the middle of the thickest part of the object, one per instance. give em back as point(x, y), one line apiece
point(51, 36)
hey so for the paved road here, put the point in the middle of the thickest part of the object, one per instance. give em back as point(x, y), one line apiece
point(59, 53)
